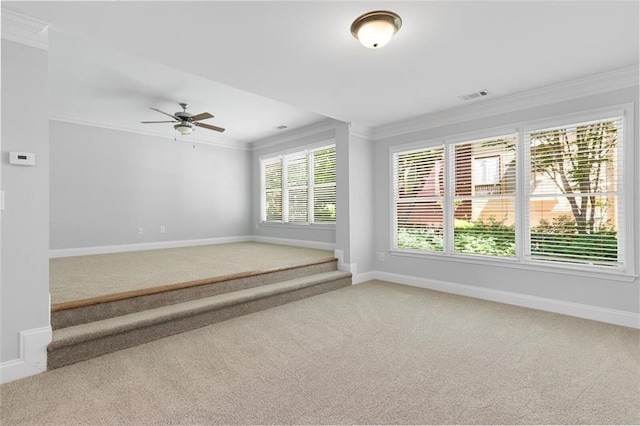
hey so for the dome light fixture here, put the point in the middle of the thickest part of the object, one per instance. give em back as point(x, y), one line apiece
point(375, 29)
point(184, 127)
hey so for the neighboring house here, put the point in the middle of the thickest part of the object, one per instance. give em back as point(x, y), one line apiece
point(481, 174)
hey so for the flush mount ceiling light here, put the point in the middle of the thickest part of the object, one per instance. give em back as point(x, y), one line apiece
point(184, 127)
point(375, 29)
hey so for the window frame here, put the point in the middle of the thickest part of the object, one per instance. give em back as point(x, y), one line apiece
point(626, 151)
point(282, 156)
point(477, 182)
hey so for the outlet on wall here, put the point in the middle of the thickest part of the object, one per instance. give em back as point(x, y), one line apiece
point(140, 231)
point(162, 229)
point(379, 256)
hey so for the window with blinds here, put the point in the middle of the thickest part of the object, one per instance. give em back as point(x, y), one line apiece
point(419, 199)
point(575, 206)
point(324, 185)
point(296, 187)
point(484, 202)
point(300, 187)
point(552, 196)
point(272, 194)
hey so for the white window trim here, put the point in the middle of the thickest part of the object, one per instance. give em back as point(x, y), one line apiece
point(628, 250)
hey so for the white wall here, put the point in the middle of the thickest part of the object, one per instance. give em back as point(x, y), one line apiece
point(105, 184)
point(361, 206)
point(600, 293)
point(24, 293)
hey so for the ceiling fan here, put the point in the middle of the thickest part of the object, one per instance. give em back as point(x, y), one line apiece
point(185, 122)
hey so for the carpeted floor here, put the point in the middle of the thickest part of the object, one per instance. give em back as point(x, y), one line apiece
point(84, 277)
point(375, 353)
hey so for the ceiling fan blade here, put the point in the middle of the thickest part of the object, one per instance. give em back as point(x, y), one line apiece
point(165, 113)
point(201, 116)
point(210, 127)
point(152, 122)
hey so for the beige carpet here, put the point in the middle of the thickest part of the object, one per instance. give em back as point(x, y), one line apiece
point(375, 353)
point(84, 277)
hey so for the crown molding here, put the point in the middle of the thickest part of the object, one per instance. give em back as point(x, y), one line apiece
point(361, 131)
point(312, 129)
point(24, 29)
point(223, 143)
point(574, 89)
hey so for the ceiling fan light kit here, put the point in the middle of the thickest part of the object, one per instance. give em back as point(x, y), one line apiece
point(184, 122)
point(184, 128)
point(375, 29)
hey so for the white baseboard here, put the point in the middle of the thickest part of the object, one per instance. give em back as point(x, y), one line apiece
point(83, 251)
point(361, 278)
point(596, 313)
point(33, 355)
point(295, 243)
point(342, 266)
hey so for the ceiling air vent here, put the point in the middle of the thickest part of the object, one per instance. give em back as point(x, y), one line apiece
point(475, 95)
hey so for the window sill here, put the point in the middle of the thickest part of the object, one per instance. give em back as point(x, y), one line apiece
point(589, 272)
point(318, 226)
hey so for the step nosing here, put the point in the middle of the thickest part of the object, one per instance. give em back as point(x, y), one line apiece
point(64, 306)
point(85, 332)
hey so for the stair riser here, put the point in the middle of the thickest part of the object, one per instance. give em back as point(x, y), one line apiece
point(59, 357)
point(83, 315)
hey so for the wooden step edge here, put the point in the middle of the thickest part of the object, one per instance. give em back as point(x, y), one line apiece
point(185, 309)
point(178, 286)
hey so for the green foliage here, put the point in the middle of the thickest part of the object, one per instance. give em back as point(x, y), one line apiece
point(326, 213)
point(273, 201)
point(558, 225)
point(596, 247)
point(428, 239)
point(490, 237)
point(557, 239)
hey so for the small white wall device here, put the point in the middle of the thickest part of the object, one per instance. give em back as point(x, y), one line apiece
point(22, 158)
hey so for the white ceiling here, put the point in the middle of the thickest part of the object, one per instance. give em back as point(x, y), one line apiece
point(257, 65)
point(98, 85)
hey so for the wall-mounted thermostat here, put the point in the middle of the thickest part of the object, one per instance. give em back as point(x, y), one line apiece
point(22, 158)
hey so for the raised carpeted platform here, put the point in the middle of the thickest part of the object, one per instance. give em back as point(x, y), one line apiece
point(91, 327)
point(79, 278)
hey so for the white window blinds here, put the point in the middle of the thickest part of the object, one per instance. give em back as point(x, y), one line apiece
point(324, 185)
point(296, 188)
point(272, 196)
point(575, 209)
point(300, 187)
point(484, 205)
point(418, 198)
point(552, 195)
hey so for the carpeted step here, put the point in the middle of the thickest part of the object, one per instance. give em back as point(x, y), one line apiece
point(85, 341)
point(86, 311)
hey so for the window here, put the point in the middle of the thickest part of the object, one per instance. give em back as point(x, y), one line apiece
point(484, 202)
point(486, 170)
point(464, 198)
point(272, 198)
point(575, 205)
point(419, 197)
point(300, 187)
